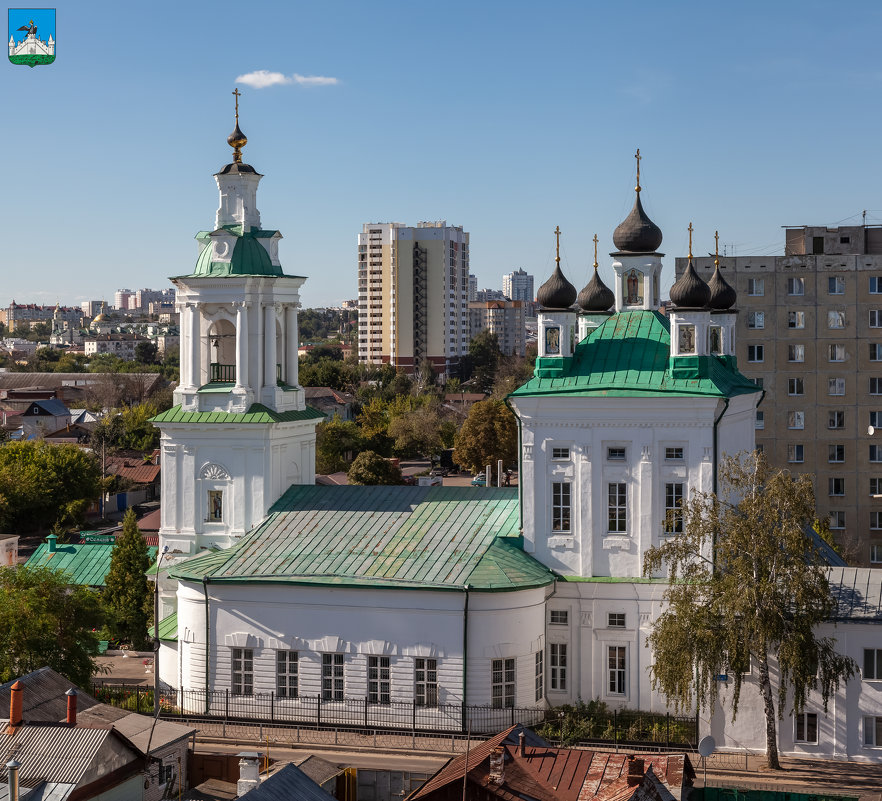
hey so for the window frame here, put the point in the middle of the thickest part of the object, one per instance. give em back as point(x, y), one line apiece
point(835, 456)
point(838, 421)
point(796, 320)
point(795, 282)
point(876, 731)
point(835, 387)
point(795, 387)
point(560, 453)
point(756, 354)
point(287, 679)
point(805, 724)
point(835, 320)
point(674, 494)
point(333, 676)
point(617, 670)
point(833, 351)
point(796, 353)
point(836, 486)
point(557, 662)
point(425, 680)
point(795, 453)
point(617, 512)
point(242, 672)
point(756, 320)
point(835, 285)
point(561, 507)
point(379, 676)
point(558, 617)
point(616, 620)
point(795, 420)
point(876, 668)
point(539, 675)
point(502, 692)
point(756, 283)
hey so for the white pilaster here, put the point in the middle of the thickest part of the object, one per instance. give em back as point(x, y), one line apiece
point(241, 345)
point(193, 366)
point(291, 376)
point(269, 347)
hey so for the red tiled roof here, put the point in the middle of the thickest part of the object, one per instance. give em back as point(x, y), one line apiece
point(139, 472)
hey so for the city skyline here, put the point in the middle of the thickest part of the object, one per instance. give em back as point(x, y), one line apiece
point(540, 115)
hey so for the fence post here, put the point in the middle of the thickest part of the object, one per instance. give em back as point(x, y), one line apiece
point(413, 714)
point(512, 716)
point(616, 729)
point(365, 710)
point(318, 710)
point(463, 717)
point(226, 703)
point(272, 705)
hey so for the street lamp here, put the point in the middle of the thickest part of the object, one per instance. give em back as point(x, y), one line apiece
point(156, 632)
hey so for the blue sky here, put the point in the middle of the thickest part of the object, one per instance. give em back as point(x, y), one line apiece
point(508, 118)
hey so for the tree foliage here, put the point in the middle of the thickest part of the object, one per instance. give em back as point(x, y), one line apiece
point(46, 622)
point(41, 484)
point(484, 357)
point(127, 592)
point(337, 442)
point(488, 434)
point(371, 468)
point(747, 585)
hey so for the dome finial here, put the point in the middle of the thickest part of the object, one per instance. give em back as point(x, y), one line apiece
point(716, 248)
point(638, 157)
point(595, 251)
point(237, 140)
point(557, 233)
point(690, 229)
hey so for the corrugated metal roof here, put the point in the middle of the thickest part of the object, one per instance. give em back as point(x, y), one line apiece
point(86, 564)
point(257, 413)
point(43, 696)
point(857, 593)
point(59, 753)
point(288, 783)
point(140, 472)
point(414, 537)
point(629, 355)
point(168, 628)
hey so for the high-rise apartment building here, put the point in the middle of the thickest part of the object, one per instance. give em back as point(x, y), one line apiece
point(810, 333)
point(413, 285)
point(518, 285)
point(505, 318)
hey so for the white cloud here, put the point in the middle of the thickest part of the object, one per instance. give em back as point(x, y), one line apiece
point(260, 79)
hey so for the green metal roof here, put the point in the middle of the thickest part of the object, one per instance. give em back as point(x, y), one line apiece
point(382, 537)
point(257, 413)
point(249, 256)
point(628, 356)
point(86, 564)
point(168, 628)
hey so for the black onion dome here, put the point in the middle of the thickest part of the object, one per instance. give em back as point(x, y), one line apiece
point(722, 295)
point(596, 296)
point(637, 233)
point(556, 292)
point(690, 292)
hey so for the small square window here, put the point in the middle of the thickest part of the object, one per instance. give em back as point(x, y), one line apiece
point(836, 486)
point(835, 386)
point(876, 486)
point(875, 285)
point(836, 353)
point(872, 731)
point(796, 353)
point(796, 420)
point(755, 353)
point(876, 386)
point(876, 522)
point(795, 386)
point(837, 520)
point(807, 728)
point(558, 617)
point(674, 454)
point(560, 453)
point(795, 286)
point(876, 554)
point(875, 352)
point(835, 454)
point(872, 665)
point(616, 620)
point(756, 319)
point(875, 454)
point(755, 287)
point(835, 319)
point(836, 419)
point(795, 454)
point(875, 318)
point(835, 285)
point(616, 454)
point(795, 319)
point(760, 421)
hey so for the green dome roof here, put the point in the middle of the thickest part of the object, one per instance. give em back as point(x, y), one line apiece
point(249, 258)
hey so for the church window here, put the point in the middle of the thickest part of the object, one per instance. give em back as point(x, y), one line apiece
point(378, 680)
point(560, 453)
point(807, 727)
point(617, 508)
point(796, 353)
point(215, 506)
point(615, 454)
point(872, 731)
point(674, 508)
point(558, 666)
point(426, 681)
point(872, 664)
point(615, 620)
point(243, 671)
point(756, 319)
point(674, 454)
point(560, 506)
point(502, 677)
point(332, 677)
point(558, 617)
point(616, 668)
point(540, 675)
point(286, 674)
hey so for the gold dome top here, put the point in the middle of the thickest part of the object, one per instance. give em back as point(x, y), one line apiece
point(237, 140)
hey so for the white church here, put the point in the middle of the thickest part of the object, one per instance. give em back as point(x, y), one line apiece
point(322, 600)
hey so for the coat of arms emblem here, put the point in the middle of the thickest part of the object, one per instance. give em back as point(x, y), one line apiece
point(31, 36)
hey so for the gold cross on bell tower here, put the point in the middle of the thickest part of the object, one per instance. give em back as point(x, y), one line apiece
point(716, 247)
point(595, 251)
point(237, 93)
point(690, 229)
point(557, 233)
point(638, 157)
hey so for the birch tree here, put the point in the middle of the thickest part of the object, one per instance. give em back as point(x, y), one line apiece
point(747, 585)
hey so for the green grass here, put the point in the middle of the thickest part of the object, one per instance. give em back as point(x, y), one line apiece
point(31, 61)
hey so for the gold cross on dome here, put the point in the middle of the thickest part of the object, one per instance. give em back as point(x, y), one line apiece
point(690, 229)
point(237, 93)
point(557, 233)
point(716, 247)
point(638, 157)
point(595, 251)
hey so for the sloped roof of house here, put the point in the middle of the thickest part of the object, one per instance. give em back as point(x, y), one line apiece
point(441, 538)
point(287, 783)
point(257, 413)
point(86, 564)
point(629, 356)
point(53, 407)
point(857, 593)
point(136, 470)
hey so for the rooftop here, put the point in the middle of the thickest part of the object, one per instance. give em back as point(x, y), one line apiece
point(434, 538)
point(86, 564)
point(629, 356)
point(257, 413)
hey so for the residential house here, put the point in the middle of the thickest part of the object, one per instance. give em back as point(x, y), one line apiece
point(331, 402)
point(86, 563)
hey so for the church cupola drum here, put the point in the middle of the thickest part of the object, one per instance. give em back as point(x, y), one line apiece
point(240, 432)
point(556, 316)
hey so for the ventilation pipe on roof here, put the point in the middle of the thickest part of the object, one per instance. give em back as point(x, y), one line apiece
point(522, 751)
point(12, 772)
point(51, 542)
point(71, 707)
point(15, 702)
point(497, 766)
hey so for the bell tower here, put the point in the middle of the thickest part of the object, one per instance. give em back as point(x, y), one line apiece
point(240, 433)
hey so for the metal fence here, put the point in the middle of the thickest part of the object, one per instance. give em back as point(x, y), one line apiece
point(618, 727)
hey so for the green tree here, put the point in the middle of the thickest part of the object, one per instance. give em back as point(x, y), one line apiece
point(484, 358)
point(371, 468)
point(374, 421)
point(138, 433)
point(41, 484)
point(488, 434)
point(127, 592)
point(44, 621)
point(747, 583)
point(146, 352)
point(417, 431)
point(336, 442)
